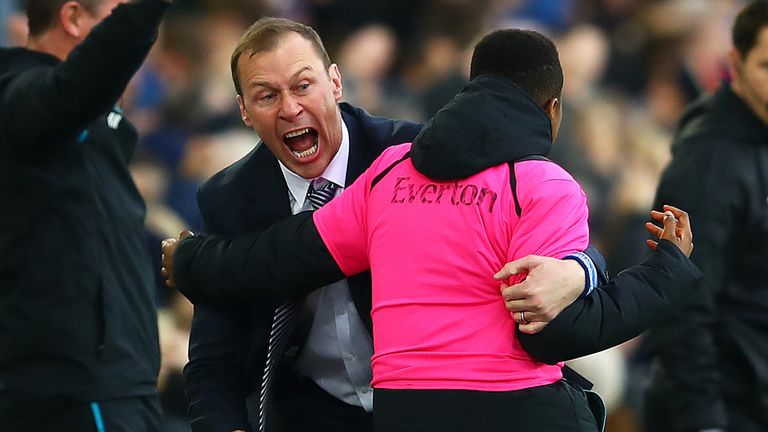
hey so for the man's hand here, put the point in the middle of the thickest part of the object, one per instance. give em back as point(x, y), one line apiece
point(169, 247)
point(551, 285)
point(676, 227)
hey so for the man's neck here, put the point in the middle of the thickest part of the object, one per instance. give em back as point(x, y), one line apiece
point(52, 42)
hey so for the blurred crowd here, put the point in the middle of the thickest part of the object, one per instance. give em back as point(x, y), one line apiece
point(631, 66)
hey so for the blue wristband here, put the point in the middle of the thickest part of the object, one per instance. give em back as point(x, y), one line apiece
point(589, 269)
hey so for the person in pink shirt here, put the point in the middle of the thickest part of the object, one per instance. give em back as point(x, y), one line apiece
point(433, 220)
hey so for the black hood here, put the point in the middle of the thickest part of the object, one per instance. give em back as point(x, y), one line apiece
point(21, 58)
point(491, 121)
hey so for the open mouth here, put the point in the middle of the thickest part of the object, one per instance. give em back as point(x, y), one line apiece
point(302, 143)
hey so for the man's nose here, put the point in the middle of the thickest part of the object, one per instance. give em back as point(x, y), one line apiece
point(290, 108)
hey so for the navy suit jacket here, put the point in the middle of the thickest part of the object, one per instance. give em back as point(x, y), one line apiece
point(228, 345)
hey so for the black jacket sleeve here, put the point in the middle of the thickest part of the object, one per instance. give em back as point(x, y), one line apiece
point(637, 298)
point(287, 260)
point(217, 377)
point(44, 104)
point(600, 264)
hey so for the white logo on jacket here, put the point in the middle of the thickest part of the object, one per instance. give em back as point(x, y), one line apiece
point(113, 120)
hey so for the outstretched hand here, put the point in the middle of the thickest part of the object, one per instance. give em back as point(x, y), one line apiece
point(676, 227)
point(169, 247)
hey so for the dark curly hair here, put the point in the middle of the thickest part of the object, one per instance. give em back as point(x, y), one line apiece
point(525, 57)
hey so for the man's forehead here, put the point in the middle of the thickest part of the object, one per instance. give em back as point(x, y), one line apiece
point(267, 79)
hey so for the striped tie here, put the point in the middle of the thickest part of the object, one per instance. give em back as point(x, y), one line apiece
point(284, 319)
point(323, 194)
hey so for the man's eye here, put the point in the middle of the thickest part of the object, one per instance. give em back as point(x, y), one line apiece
point(267, 97)
point(304, 87)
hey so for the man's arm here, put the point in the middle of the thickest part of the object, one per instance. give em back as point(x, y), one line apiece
point(67, 97)
point(216, 379)
point(287, 260)
point(551, 286)
point(621, 309)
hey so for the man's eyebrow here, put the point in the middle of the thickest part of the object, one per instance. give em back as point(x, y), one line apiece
point(268, 85)
point(265, 84)
point(300, 71)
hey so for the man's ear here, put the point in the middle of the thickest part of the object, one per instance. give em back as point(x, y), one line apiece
point(736, 62)
point(552, 108)
point(71, 19)
point(243, 112)
point(335, 76)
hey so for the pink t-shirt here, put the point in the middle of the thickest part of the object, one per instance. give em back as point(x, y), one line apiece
point(432, 247)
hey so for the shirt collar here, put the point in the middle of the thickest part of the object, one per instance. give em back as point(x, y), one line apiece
point(336, 171)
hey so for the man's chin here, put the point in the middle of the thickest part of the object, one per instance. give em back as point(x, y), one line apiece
point(309, 169)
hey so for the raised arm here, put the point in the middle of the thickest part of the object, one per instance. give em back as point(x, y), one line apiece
point(67, 97)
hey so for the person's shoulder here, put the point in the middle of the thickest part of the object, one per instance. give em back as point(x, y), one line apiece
point(540, 170)
point(396, 152)
point(717, 119)
point(18, 59)
point(540, 178)
point(391, 156)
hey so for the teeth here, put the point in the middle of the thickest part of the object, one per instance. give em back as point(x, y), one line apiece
point(297, 133)
point(308, 152)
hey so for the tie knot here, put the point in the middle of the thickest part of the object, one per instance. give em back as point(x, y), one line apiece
point(319, 195)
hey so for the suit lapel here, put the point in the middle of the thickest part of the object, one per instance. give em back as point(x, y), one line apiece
point(360, 155)
point(360, 158)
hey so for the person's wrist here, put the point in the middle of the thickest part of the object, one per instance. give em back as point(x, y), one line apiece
point(590, 272)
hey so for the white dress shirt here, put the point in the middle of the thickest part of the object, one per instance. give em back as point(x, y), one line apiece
point(337, 353)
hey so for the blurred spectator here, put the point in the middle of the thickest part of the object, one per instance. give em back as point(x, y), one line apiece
point(367, 57)
point(8, 8)
point(174, 314)
point(174, 322)
point(13, 24)
point(710, 369)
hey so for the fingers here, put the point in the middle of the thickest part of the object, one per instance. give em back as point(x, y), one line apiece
point(653, 230)
point(166, 258)
point(168, 248)
point(532, 327)
point(522, 265)
point(682, 216)
point(670, 226)
point(669, 223)
point(511, 293)
point(676, 228)
point(684, 223)
point(529, 322)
